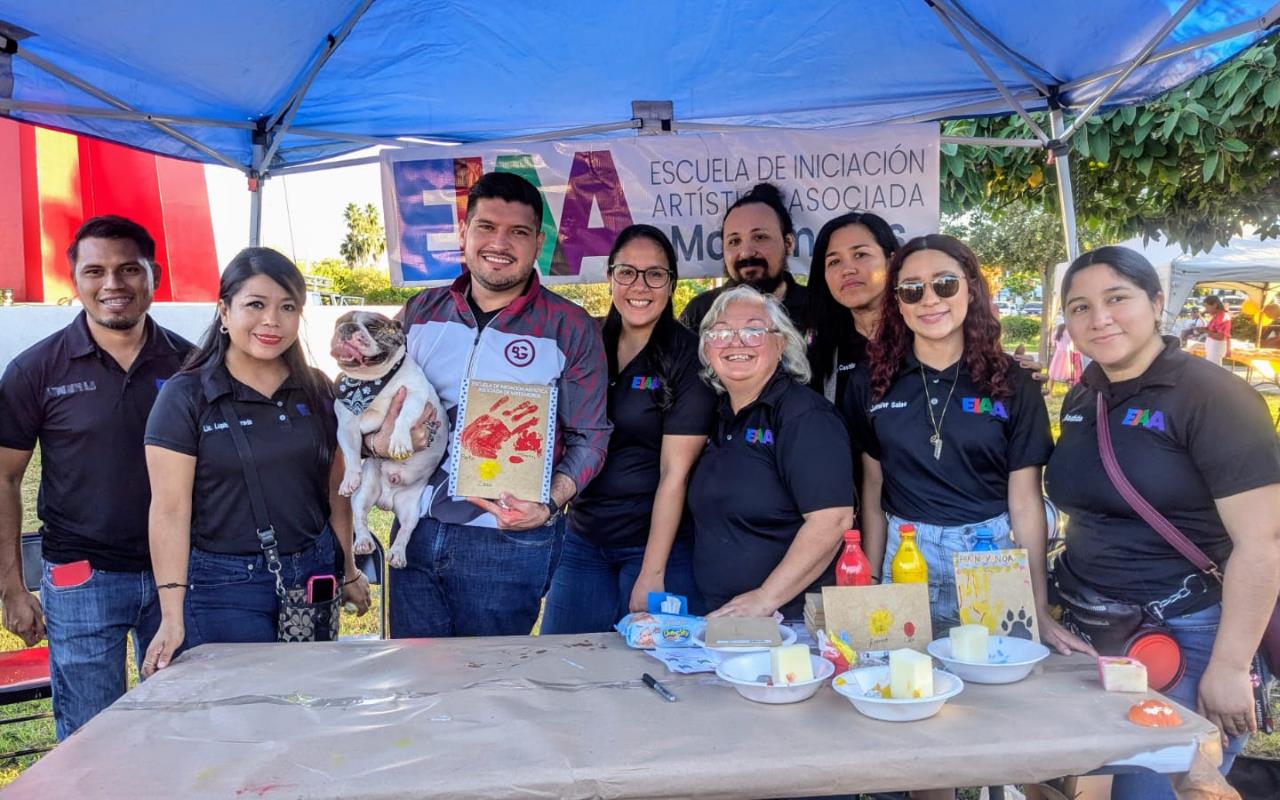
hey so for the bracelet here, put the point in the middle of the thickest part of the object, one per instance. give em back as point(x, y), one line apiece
point(358, 576)
point(172, 586)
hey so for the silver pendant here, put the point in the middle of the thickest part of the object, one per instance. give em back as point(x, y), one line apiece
point(936, 440)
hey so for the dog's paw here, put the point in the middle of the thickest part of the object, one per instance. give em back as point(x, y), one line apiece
point(350, 482)
point(401, 446)
point(395, 556)
point(363, 544)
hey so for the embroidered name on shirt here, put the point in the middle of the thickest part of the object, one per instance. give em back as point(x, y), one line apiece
point(847, 367)
point(222, 426)
point(71, 388)
point(646, 384)
point(887, 404)
point(984, 405)
point(1145, 418)
point(1073, 418)
point(759, 436)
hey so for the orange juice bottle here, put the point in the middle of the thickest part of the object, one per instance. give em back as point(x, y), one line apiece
point(908, 563)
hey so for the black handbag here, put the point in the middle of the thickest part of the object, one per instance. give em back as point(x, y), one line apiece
point(296, 619)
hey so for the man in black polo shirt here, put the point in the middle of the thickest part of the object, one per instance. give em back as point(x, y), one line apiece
point(758, 235)
point(84, 394)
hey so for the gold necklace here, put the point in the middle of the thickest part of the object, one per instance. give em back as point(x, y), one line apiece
point(936, 438)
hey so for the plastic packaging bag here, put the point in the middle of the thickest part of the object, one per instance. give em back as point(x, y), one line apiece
point(645, 631)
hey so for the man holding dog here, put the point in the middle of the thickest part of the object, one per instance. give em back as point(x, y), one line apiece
point(83, 394)
point(479, 567)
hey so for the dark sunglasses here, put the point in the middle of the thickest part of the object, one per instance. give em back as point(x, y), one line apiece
point(944, 286)
point(654, 277)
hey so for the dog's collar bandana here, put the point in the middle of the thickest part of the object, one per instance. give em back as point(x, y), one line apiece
point(356, 395)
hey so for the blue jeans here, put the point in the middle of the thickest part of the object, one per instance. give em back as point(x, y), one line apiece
point(466, 580)
point(936, 544)
point(1195, 633)
point(592, 586)
point(87, 626)
point(232, 598)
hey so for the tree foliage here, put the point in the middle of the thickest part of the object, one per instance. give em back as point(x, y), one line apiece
point(1197, 163)
point(365, 242)
point(371, 283)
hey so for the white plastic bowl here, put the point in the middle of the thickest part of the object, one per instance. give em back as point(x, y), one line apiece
point(857, 686)
point(744, 673)
point(1011, 659)
point(700, 631)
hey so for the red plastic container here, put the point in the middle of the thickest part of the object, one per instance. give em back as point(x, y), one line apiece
point(853, 568)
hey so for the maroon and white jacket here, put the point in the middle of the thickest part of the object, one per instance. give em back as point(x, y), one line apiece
point(539, 338)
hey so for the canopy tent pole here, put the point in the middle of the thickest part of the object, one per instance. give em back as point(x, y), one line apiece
point(255, 192)
point(12, 46)
point(990, 73)
point(1001, 50)
point(1061, 153)
point(1138, 60)
point(34, 107)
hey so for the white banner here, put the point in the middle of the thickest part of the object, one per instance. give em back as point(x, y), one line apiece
point(683, 184)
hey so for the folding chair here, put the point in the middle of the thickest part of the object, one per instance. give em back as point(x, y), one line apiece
point(372, 565)
point(24, 674)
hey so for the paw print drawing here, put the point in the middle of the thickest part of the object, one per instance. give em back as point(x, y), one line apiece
point(1017, 625)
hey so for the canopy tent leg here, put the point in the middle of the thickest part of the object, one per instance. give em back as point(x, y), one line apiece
point(1067, 207)
point(255, 191)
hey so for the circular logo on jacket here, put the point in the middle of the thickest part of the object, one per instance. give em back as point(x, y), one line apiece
point(520, 353)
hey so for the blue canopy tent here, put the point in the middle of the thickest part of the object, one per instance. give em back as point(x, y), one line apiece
point(272, 88)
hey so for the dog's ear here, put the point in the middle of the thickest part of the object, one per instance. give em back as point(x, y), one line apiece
point(396, 325)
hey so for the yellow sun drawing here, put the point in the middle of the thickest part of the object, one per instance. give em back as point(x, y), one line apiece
point(879, 622)
point(489, 469)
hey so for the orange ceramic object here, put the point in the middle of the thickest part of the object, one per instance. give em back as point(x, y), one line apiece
point(1154, 714)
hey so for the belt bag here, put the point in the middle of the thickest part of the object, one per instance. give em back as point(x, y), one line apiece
point(296, 620)
point(1270, 647)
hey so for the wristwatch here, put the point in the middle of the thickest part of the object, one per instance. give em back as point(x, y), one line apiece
point(553, 512)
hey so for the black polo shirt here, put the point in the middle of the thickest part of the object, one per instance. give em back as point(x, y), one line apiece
point(984, 438)
point(88, 416)
point(293, 443)
point(779, 458)
point(615, 508)
point(795, 301)
point(1185, 432)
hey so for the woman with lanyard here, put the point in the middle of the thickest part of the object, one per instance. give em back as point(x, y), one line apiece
point(210, 564)
point(771, 494)
point(955, 432)
point(1197, 444)
point(851, 253)
point(629, 533)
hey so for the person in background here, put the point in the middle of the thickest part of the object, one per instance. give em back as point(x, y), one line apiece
point(1064, 364)
point(1217, 331)
point(210, 565)
point(758, 236)
point(772, 493)
point(83, 394)
point(1197, 443)
point(955, 433)
point(629, 532)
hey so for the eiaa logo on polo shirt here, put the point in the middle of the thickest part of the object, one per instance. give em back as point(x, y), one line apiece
point(759, 436)
point(984, 405)
point(643, 383)
point(1150, 419)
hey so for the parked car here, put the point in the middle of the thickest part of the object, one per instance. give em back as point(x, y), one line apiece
point(1005, 308)
point(1032, 309)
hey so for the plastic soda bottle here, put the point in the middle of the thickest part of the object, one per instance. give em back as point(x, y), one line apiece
point(984, 539)
point(908, 563)
point(853, 568)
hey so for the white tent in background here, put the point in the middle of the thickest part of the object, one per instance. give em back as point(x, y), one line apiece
point(1250, 265)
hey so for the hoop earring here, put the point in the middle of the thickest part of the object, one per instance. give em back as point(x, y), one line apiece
point(223, 329)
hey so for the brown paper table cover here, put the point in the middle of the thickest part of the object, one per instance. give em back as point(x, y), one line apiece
point(565, 716)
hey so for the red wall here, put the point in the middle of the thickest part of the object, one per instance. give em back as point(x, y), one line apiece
point(51, 182)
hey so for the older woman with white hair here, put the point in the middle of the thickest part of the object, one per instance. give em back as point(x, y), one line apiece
point(773, 491)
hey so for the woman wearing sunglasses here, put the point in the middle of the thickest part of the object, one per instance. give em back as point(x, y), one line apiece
point(770, 495)
point(955, 434)
point(629, 533)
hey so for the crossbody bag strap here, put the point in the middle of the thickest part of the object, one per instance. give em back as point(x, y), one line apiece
point(1158, 522)
point(257, 498)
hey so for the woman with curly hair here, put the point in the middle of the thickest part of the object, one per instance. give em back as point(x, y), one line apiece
point(955, 433)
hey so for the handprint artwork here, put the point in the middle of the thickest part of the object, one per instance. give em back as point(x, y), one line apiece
point(504, 440)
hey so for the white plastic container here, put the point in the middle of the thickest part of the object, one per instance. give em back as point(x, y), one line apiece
point(858, 686)
point(749, 675)
point(1010, 659)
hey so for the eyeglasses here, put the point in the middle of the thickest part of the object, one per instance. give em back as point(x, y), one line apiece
point(654, 277)
point(944, 286)
point(720, 338)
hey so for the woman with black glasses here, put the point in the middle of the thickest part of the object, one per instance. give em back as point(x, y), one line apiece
point(629, 533)
point(955, 433)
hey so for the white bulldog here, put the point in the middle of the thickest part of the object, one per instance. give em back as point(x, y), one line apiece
point(370, 351)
